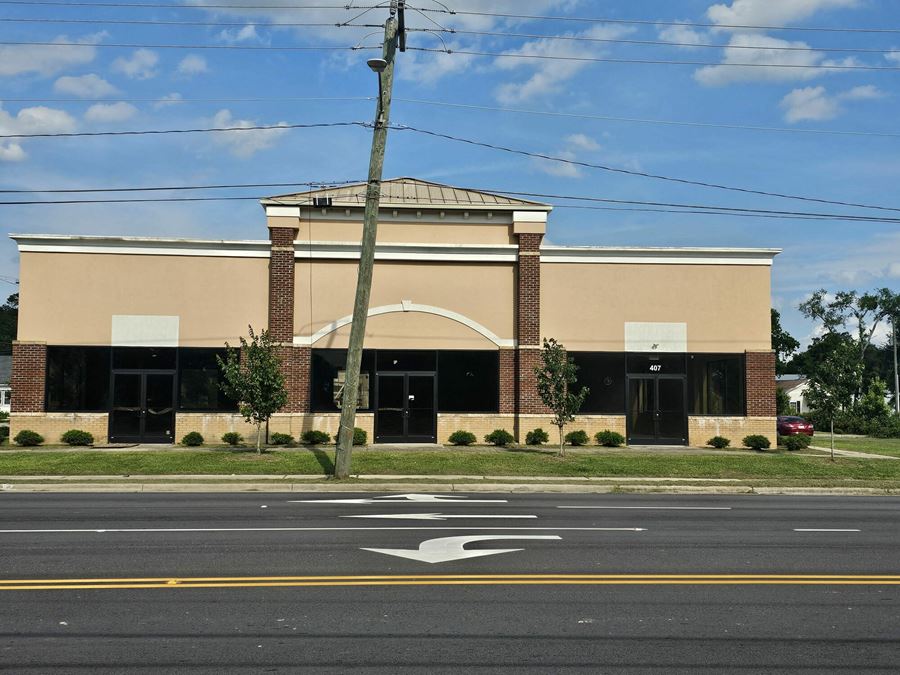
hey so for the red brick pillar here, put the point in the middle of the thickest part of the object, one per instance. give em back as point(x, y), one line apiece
point(760, 384)
point(507, 381)
point(29, 372)
point(295, 361)
point(528, 323)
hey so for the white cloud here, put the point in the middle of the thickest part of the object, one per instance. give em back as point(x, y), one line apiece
point(893, 57)
point(37, 120)
point(814, 103)
point(549, 76)
point(772, 12)
point(84, 86)
point(582, 142)
point(685, 35)
point(169, 99)
point(140, 66)
point(246, 34)
point(192, 64)
point(807, 65)
point(244, 143)
point(48, 60)
point(110, 112)
point(559, 168)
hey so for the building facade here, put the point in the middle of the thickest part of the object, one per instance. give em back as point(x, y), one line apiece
point(119, 335)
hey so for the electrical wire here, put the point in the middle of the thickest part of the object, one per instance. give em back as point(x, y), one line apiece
point(120, 45)
point(200, 130)
point(651, 62)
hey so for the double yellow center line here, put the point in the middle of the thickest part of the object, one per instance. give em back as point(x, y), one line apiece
point(457, 580)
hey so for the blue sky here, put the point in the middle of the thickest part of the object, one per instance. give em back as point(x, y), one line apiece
point(99, 88)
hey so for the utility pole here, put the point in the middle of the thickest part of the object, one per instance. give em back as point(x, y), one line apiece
point(384, 68)
point(896, 376)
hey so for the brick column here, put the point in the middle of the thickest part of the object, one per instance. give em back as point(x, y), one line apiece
point(507, 381)
point(295, 361)
point(528, 323)
point(29, 372)
point(760, 384)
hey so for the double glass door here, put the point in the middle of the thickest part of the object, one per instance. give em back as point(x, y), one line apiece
point(143, 407)
point(405, 408)
point(656, 410)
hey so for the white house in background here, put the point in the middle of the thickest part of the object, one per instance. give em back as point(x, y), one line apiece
point(5, 389)
point(795, 386)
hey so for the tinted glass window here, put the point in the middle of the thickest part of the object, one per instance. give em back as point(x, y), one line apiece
point(406, 360)
point(328, 376)
point(716, 384)
point(656, 364)
point(199, 380)
point(468, 381)
point(77, 379)
point(144, 358)
point(603, 374)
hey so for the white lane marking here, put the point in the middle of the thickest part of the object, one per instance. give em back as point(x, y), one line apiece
point(662, 508)
point(323, 529)
point(446, 549)
point(432, 516)
point(821, 529)
point(401, 499)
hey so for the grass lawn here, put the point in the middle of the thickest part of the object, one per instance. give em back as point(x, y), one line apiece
point(878, 446)
point(741, 465)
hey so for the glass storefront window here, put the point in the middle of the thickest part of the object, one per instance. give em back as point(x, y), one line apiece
point(77, 379)
point(199, 381)
point(468, 381)
point(603, 373)
point(328, 374)
point(716, 384)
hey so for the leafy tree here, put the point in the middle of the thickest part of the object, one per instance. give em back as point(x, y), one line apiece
point(834, 382)
point(253, 378)
point(848, 311)
point(9, 319)
point(783, 402)
point(871, 407)
point(783, 343)
point(555, 383)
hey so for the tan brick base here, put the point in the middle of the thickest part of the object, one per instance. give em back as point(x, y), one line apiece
point(476, 423)
point(701, 429)
point(53, 425)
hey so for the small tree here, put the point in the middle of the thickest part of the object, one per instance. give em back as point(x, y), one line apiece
point(253, 378)
point(555, 383)
point(783, 402)
point(832, 385)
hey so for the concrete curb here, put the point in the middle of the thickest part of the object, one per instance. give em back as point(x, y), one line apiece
point(148, 485)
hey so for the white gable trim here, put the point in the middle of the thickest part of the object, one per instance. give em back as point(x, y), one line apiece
point(406, 306)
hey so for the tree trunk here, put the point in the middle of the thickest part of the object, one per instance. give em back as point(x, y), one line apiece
point(562, 443)
point(258, 438)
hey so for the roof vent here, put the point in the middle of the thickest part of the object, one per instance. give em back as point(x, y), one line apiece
point(321, 202)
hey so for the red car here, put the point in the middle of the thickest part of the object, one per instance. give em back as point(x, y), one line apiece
point(793, 426)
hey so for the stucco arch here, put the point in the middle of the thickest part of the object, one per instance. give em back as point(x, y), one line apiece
point(408, 307)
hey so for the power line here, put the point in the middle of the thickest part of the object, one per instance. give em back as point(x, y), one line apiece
point(154, 188)
point(201, 130)
point(655, 22)
point(641, 174)
point(652, 62)
point(162, 22)
point(159, 5)
point(120, 45)
point(654, 43)
point(249, 99)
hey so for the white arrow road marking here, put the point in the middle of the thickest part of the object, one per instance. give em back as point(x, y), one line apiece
point(822, 530)
point(446, 549)
point(431, 516)
point(401, 499)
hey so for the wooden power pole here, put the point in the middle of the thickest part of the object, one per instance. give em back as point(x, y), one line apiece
point(385, 69)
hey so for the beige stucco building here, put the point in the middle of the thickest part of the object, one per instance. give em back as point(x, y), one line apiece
point(118, 335)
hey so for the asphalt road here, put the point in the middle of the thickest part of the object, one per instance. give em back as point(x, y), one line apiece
point(275, 583)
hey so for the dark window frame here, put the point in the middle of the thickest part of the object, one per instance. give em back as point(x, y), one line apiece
point(179, 374)
point(623, 402)
point(741, 357)
point(108, 399)
point(495, 409)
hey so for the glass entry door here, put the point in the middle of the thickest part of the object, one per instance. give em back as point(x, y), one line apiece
point(656, 410)
point(143, 408)
point(405, 408)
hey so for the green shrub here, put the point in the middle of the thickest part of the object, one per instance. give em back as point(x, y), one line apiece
point(461, 438)
point(609, 439)
point(889, 428)
point(77, 437)
point(499, 437)
point(4, 416)
point(536, 437)
point(4, 433)
point(232, 438)
point(756, 442)
point(286, 439)
point(359, 436)
point(578, 437)
point(27, 437)
point(309, 437)
point(192, 439)
point(800, 442)
point(719, 442)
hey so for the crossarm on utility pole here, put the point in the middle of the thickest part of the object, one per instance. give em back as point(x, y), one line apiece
point(367, 253)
